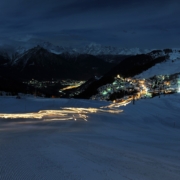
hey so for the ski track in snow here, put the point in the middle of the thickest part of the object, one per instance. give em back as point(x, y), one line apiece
point(141, 143)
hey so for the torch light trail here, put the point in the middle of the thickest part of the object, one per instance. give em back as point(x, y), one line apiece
point(66, 113)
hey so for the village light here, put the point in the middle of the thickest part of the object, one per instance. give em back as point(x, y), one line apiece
point(118, 76)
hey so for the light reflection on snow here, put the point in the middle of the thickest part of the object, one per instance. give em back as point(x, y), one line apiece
point(118, 104)
point(178, 90)
point(66, 113)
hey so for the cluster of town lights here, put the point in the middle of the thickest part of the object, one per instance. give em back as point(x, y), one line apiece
point(134, 88)
point(73, 113)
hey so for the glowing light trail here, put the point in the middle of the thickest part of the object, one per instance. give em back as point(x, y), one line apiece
point(67, 113)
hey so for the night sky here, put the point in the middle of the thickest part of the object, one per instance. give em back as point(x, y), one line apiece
point(123, 23)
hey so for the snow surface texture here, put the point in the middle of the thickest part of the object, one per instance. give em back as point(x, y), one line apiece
point(140, 143)
point(170, 66)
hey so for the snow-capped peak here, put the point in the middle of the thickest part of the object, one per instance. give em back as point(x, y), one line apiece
point(92, 49)
point(98, 49)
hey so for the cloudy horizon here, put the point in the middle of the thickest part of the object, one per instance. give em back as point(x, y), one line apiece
point(142, 24)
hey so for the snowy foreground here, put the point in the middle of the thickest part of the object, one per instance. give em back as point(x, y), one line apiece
point(87, 142)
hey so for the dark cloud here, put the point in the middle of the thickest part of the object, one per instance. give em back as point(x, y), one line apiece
point(131, 23)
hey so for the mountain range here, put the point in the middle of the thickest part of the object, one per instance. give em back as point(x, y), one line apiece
point(47, 62)
point(43, 62)
point(92, 49)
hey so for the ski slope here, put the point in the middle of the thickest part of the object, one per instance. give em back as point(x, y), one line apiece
point(142, 142)
point(170, 66)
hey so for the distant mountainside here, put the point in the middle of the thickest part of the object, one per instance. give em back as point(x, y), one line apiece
point(133, 66)
point(98, 49)
point(8, 84)
point(92, 49)
point(46, 63)
point(3, 60)
point(39, 63)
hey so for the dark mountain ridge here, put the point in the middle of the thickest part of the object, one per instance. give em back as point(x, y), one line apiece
point(39, 63)
point(127, 68)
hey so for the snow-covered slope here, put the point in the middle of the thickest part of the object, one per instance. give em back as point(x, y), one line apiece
point(170, 66)
point(140, 143)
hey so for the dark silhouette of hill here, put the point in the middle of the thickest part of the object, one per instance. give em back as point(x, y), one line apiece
point(127, 68)
point(38, 63)
point(8, 84)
